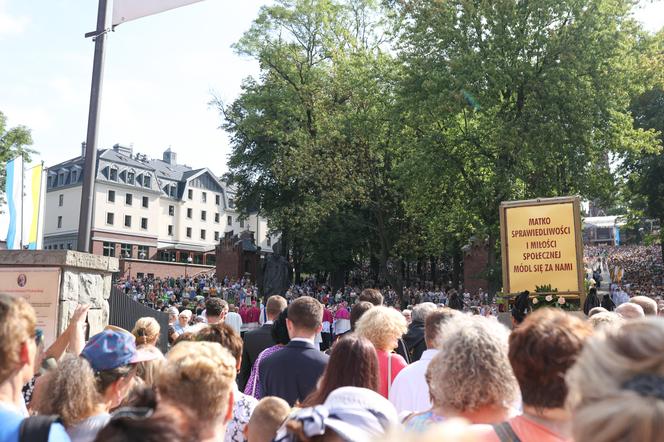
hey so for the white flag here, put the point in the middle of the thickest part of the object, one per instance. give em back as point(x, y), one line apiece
point(126, 10)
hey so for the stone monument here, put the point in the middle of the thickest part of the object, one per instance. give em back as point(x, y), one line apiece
point(56, 281)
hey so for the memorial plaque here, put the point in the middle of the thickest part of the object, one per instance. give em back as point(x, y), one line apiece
point(40, 287)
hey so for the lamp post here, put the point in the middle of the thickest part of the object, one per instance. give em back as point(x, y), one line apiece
point(189, 261)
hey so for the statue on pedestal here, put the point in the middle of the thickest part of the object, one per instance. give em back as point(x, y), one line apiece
point(274, 275)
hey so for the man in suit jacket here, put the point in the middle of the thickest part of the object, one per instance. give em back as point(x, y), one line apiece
point(292, 373)
point(257, 340)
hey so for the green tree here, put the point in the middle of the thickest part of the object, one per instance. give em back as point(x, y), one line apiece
point(13, 143)
point(313, 143)
point(514, 99)
point(646, 171)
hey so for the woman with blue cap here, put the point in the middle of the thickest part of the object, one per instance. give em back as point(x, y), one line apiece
point(83, 390)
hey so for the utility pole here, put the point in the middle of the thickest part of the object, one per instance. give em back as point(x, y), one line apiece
point(89, 171)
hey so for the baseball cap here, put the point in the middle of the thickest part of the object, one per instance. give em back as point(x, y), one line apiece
point(113, 348)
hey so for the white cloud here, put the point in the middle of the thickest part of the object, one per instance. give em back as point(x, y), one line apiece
point(9, 23)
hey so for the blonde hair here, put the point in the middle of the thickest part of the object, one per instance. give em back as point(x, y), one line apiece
point(603, 319)
point(604, 409)
point(200, 376)
point(17, 325)
point(149, 370)
point(381, 325)
point(472, 369)
point(70, 391)
point(146, 331)
point(267, 417)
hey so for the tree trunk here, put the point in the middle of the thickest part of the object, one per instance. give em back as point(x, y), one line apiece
point(457, 258)
point(434, 263)
point(661, 235)
point(493, 273)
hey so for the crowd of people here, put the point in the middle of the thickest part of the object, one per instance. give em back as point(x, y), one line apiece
point(634, 269)
point(440, 374)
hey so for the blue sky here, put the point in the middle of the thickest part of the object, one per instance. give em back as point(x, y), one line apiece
point(160, 74)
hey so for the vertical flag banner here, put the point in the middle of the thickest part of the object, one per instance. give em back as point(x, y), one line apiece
point(127, 10)
point(32, 206)
point(14, 192)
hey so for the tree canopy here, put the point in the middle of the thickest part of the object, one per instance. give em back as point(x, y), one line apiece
point(390, 133)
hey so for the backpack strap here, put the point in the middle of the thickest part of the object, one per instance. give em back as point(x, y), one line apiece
point(36, 428)
point(505, 432)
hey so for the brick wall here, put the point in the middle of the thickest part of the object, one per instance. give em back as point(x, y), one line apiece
point(475, 260)
point(161, 269)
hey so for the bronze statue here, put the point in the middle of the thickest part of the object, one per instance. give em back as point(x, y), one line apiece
point(274, 274)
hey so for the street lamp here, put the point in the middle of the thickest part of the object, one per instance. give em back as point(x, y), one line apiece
point(189, 261)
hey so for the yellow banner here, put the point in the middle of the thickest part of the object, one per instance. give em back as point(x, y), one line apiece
point(541, 244)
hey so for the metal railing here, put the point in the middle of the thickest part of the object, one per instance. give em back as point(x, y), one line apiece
point(124, 312)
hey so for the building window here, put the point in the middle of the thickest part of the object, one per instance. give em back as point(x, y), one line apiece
point(61, 178)
point(229, 220)
point(113, 175)
point(125, 250)
point(231, 203)
point(216, 236)
point(50, 182)
point(110, 217)
point(202, 234)
point(269, 241)
point(146, 181)
point(188, 232)
point(61, 200)
point(170, 230)
point(74, 176)
point(241, 223)
point(127, 221)
point(111, 196)
point(109, 249)
point(128, 199)
point(189, 213)
point(217, 199)
point(145, 202)
point(171, 210)
point(143, 252)
point(190, 194)
point(59, 222)
point(144, 223)
point(69, 246)
point(171, 191)
point(130, 177)
point(203, 215)
point(204, 197)
point(216, 218)
point(62, 246)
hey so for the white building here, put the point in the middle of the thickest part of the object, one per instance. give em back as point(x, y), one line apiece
point(146, 209)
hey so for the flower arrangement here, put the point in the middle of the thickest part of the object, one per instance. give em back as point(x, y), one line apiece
point(546, 296)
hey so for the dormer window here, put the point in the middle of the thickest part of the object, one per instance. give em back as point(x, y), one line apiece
point(113, 175)
point(131, 176)
point(74, 176)
point(146, 181)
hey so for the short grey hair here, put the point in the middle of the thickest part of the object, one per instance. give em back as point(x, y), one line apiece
point(472, 368)
point(421, 311)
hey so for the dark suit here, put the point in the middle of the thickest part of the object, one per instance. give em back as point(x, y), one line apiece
point(292, 373)
point(255, 341)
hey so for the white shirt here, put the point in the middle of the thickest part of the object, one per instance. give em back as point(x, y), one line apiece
point(234, 320)
point(410, 392)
